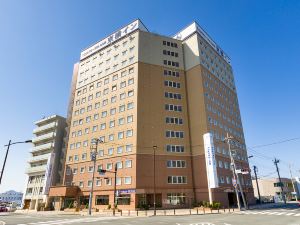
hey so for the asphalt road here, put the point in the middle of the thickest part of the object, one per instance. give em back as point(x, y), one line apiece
point(275, 216)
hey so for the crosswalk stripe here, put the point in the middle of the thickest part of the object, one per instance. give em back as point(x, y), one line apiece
point(298, 214)
point(289, 214)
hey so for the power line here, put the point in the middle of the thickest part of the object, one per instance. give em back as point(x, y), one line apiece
point(275, 143)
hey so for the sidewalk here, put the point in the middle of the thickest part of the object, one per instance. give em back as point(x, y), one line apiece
point(136, 213)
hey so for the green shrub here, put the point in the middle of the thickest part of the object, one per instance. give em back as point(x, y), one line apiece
point(109, 206)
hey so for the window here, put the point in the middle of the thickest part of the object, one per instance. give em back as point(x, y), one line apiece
point(128, 163)
point(98, 183)
point(130, 93)
point(89, 108)
point(123, 73)
point(121, 108)
point(129, 133)
point(102, 126)
point(129, 119)
point(172, 95)
point(109, 166)
point(108, 181)
point(121, 121)
point(81, 184)
point(115, 77)
point(101, 153)
point(118, 181)
point(176, 163)
point(220, 164)
point(106, 81)
point(113, 99)
point(176, 198)
point(84, 156)
point(110, 151)
point(123, 199)
point(82, 169)
point(177, 180)
point(176, 108)
point(174, 134)
point(113, 111)
point(105, 91)
point(102, 199)
point(130, 81)
point(114, 88)
point(76, 158)
point(88, 119)
point(131, 70)
point(122, 96)
point(119, 165)
point(123, 84)
point(96, 116)
point(130, 105)
point(111, 137)
point(174, 120)
point(90, 183)
point(91, 169)
point(85, 143)
point(127, 180)
point(129, 148)
point(111, 123)
point(104, 102)
point(120, 149)
point(98, 94)
point(121, 135)
point(97, 105)
point(172, 84)
point(75, 170)
point(104, 114)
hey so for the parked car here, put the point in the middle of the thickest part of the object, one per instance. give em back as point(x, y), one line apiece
point(3, 208)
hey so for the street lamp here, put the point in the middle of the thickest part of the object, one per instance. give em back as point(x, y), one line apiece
point(94, 154)
point(154, 182)
point(8, 145)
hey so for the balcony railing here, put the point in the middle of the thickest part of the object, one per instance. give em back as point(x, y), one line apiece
point(39, 158)
point(45, 127)
point(36, 169)
point(42, 147)
point(44, 137)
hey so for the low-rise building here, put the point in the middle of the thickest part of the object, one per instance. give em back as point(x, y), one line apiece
point(44, 162)
point(11, 197)
point(270, 188)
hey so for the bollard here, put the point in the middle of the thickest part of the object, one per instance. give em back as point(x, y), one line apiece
point(174, 211)
point(233, 209)
point(114, 212)
point(128, 212)
point(203, 210)
point(210, 210)
point(137, 212)
point(121, 212)
point(190, 212)
point(224, 208)
point(197, 211)
point(164, 212)
point(146, 212)
point(229, 209)
point(218, 210)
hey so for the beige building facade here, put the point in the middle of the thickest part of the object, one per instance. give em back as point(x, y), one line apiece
point(44, 164)
point(140, 92)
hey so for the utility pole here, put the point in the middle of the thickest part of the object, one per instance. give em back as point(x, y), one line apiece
point(255, 172)
point(154, 179)
point(276, 161)
point(228, 139)
point(293, 183)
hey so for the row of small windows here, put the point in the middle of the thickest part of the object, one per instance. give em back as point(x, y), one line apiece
point(173, 84)
point(174, 134)
point(90, 169)
point(173, 95)
point(104, 114)
point(175, 148)
point(171, 73)
point(106, 80)
point(171, 63)
point(166, 52)
point(108, 182)
point(176, 108)
point(111, 137)
point(174, 120)
point(177, 180)
point(171, 44)
point(176, 163)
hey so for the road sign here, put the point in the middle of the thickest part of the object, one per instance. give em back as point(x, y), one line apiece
point(234, 182)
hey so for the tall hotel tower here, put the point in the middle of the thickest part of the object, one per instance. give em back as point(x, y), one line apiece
point(151, 97)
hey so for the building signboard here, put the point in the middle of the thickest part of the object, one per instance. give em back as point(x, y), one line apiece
point(211, 167)
point(135, 25)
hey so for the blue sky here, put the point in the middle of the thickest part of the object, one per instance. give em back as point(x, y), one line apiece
point(41, 40)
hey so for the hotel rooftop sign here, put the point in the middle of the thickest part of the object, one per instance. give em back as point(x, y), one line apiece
point(194, 27)
point(135, 25)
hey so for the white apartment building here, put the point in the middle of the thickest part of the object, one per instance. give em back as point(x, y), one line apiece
point(44, 162)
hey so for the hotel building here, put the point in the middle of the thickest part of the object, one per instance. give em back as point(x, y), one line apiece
point(44, 165)
point(140, 92)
